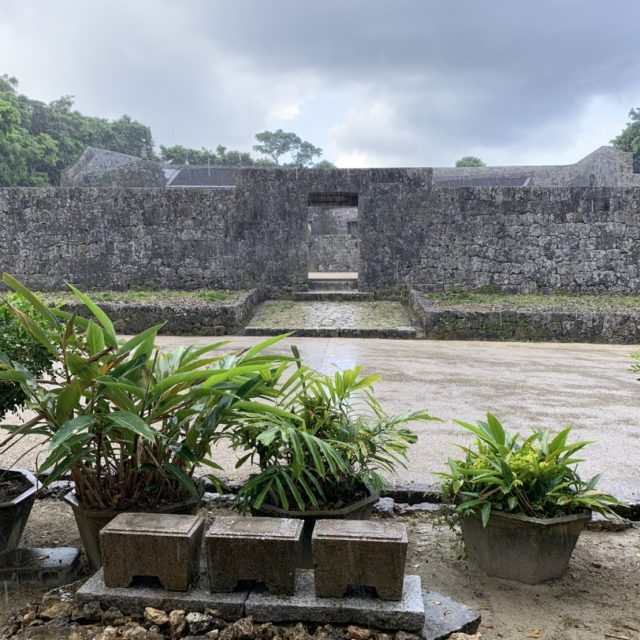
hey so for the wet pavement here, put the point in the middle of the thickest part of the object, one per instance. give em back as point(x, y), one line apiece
point(525, 384)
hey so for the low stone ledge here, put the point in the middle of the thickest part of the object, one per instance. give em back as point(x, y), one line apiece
point(136, 599)
point(406, 614)
point(442, 322)
point(198, 317)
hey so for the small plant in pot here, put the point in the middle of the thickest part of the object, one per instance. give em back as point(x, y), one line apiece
point(128, 422)
point(520, 502)
point(17, 486)
point(321, 447)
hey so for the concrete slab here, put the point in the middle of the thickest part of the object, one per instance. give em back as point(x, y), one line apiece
point(407, 614)
point(135, 599)
point(444, 616)
point(46, 566)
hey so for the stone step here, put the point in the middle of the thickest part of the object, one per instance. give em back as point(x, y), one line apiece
point(333, 296)
point(333, 284)
point(400, 333)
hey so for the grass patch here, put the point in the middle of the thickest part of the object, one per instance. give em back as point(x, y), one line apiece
point(537, 301)
point(143, 295)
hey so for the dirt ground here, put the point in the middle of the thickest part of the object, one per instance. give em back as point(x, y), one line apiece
point(598, 598)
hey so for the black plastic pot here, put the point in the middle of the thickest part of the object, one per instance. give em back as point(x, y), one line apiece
point(360, 510)
point(90, 521)
point(15, 513)
point(529, 550)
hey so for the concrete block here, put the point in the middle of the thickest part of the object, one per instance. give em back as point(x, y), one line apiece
point(165, 546)
point(444, 616)
point(257, 549)
point(136, 599)
point(49, 567)
point(406, 614)
point(349, 553)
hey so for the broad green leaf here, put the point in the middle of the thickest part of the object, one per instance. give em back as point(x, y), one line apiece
point(95, 338)
point(35, 302)
point(67, 401)
point(132, 423)
point(70, 428)
point(102, 317)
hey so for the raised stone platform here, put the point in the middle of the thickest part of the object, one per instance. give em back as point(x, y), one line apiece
point(428, 613)
point(368, 319)
point(406, 614)
point(135, 599)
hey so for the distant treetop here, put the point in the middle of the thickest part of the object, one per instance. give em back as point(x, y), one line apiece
point(470, 161)
point(629, 139)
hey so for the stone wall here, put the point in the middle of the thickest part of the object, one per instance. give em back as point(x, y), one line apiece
point(333, 253)
point(583, 239)
point(514, 239)
point(604, 167)
point(156, 238)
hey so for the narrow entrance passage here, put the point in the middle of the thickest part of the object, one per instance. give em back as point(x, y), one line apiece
point(333, 233)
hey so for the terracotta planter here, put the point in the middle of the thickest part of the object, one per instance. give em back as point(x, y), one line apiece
point(15, 513)
point(90, 521)
point(360, 510)
point(520, 548)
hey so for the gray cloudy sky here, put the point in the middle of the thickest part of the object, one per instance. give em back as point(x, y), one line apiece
point(373, 82)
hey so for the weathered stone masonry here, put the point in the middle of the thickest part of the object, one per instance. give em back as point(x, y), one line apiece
point(582, 239)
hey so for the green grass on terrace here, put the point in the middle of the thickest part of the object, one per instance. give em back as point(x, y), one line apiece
point(142, 295)
point(537, 301)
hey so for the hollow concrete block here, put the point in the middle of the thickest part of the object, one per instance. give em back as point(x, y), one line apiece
point(352, 553)
point(165, 546)
point(257, 549)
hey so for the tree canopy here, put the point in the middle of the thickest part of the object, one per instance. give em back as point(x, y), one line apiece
point(470, 161)
point(629, 139)
point(39, 140)
point(275, 144)
point(179, 155)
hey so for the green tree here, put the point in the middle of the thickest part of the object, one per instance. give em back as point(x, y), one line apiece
point(470, 161)
point(275, 144)
point(629, 139)
point(179, 155)
point(324, 164)
point(38, 141)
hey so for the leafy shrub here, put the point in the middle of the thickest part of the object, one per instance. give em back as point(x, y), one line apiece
point(325, 440)
point(535, 477)
point(18, 344)
point(129, 422)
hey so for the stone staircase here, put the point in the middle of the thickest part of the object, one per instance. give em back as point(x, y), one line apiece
point(333, 289)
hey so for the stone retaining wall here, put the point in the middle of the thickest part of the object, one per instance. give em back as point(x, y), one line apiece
point(440, 322)
point(203, 319)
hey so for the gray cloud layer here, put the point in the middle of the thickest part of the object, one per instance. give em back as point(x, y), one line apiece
point(374, 82)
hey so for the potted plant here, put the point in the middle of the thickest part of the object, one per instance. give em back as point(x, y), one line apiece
point(128, 422)
point(321, 447)
point(17, 486)
point(17, 494)
point(520, 503)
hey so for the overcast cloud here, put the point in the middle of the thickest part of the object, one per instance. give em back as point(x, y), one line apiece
point(374, 83)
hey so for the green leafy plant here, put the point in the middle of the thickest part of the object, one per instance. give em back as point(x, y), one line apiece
point(534, 477)
point(129, 422)
point(323, 441)
point(18, 344)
